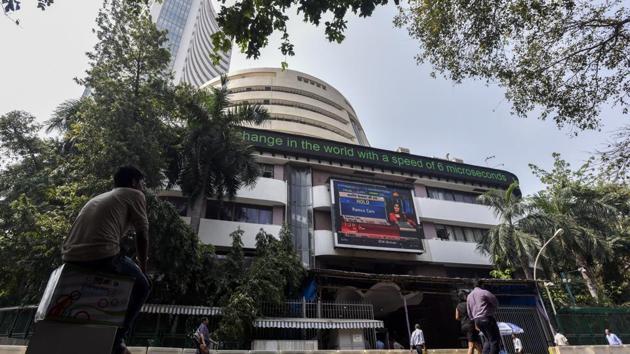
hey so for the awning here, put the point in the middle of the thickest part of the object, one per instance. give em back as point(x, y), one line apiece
point(181, 310)
point(316, 323)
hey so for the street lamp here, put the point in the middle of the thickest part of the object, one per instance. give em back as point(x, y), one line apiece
point(556, 234)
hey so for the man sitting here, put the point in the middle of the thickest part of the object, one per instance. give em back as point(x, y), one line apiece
point(94, 240)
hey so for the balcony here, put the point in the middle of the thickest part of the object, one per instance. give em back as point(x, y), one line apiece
point(453, 252)
point(321, 197)
point(318, 309)
point(266, 191)
point(455, 213)
point(217, 232)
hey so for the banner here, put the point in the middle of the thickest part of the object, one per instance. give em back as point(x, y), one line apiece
point(378, 217)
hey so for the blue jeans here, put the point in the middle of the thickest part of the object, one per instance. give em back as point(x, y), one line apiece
point(124, 266)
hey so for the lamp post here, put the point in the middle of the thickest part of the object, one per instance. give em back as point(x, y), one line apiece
point(556, 234)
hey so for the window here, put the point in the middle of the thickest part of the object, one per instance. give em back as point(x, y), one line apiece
point(254, 214)
point(460, 234)
point(456, 196)
point(266, 170)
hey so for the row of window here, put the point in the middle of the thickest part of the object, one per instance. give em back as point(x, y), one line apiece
point(456, 196)
point(228, 211)
point(312, 82)
point(458, 233)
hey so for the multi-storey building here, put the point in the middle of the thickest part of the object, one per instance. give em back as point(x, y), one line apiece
point(189, 25)
point(393, 229)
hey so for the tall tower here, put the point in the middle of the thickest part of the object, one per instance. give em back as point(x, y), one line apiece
point(190, 23)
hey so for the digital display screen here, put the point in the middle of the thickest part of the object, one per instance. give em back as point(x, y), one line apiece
point(376, 217)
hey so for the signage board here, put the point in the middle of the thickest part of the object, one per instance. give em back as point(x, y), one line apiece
point(371, 216)
point(264, 140)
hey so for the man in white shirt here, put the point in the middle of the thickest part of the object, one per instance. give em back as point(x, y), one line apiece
point(94, 240)
point(417, 340)
point(518, 345)
point(612, 338)
point(560, 339)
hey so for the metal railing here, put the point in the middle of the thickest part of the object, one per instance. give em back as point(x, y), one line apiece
point(319, 309)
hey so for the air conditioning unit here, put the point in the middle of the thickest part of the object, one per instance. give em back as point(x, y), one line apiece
point(403, 150)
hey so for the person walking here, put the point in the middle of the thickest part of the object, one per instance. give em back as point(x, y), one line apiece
point(612, 338)
point(482, 305)
point(466, 324)
point(202, 336)
point(518, 345)
point(94, 240)
point(417, 340)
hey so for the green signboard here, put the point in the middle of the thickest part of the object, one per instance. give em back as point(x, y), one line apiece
point(269, 141)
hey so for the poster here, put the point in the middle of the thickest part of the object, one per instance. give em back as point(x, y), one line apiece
point(372, 216)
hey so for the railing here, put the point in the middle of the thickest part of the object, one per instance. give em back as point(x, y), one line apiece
point(319, 309)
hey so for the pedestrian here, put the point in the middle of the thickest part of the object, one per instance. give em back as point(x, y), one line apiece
point(518, 345)
point(560, 339)
point(380, 345)
point(202, 337)
point(417, 340)
point(482, 305)
point(94, 240)
point(612, 338)
point(466, 324)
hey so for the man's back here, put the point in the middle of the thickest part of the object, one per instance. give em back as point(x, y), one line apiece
point(481, 303)
point(417, 337)
point(97, 230)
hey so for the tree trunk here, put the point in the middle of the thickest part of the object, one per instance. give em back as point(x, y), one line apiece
point(197, 208)
point(586, 275)
point(525, 266)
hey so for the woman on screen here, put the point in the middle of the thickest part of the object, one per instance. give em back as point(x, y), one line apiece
point(397, 216)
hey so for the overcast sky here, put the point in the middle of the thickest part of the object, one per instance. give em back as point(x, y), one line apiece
point(395, 99)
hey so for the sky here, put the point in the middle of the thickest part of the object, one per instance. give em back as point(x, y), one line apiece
point(396, 100)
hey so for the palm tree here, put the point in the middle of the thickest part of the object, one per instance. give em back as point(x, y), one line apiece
point(506, 243)
point(588, 222)
point(215, 160)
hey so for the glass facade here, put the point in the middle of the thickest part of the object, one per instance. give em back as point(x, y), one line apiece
point(300, 211)
point(254, 214)
point(173, 18)
point(458, 233)
point(455, 196)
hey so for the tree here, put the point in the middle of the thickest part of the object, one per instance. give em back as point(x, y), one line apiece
point(232, 270)
point(615, 158)
point(508, 246)
point(575, 202)
point(215, 160)
point(563, 58)
point(275, 273)
point(127, 119)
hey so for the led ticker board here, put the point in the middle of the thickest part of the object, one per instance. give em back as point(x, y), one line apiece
point(377, 217)
point(275, 142)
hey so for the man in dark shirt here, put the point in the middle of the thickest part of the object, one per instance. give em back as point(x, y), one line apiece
point(482, 305)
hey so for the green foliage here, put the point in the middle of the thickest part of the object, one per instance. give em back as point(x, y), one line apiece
point(508, 245)
point(214, 160)
point(502, 273)
point(131, 94)
point(275, 274)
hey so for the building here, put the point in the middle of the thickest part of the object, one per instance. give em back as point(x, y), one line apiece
point(190, 23)
point(388, 228)
point(298, 103)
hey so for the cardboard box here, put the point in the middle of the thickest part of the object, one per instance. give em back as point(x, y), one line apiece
point(80, 295)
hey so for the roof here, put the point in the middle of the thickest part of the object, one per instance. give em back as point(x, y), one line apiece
point(316, 323)
point(181, 310)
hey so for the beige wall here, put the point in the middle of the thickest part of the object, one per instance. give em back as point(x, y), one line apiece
point(297, 102)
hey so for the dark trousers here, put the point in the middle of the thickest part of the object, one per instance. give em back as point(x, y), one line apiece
point(124, 266)
point(490, 330)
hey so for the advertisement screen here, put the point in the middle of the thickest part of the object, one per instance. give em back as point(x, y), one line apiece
point(374, 216)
